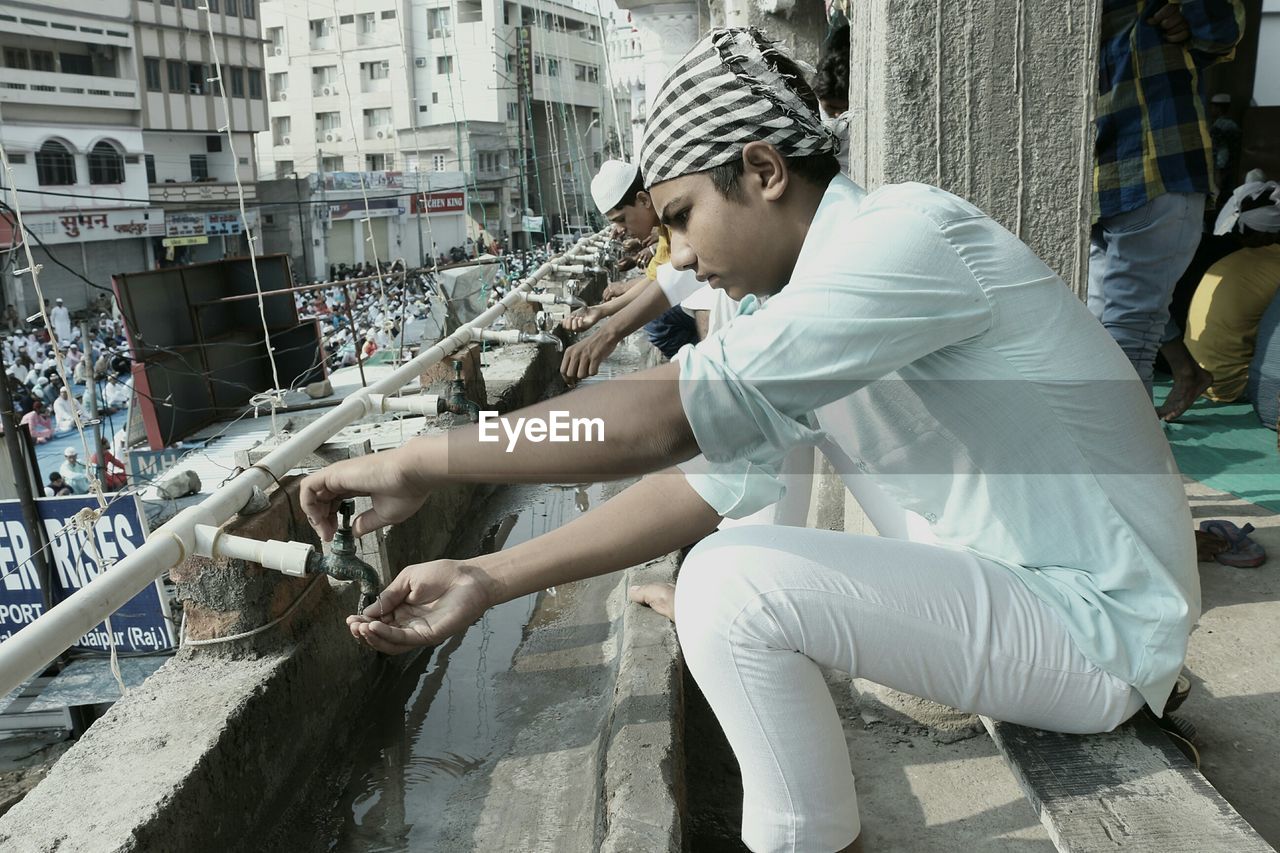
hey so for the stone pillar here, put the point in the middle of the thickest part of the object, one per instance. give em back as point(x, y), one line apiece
point(801, 25)
point(990, 100)
point(667, 31)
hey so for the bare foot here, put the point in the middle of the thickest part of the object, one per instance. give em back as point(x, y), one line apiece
point(1187, 388)
point(660, 597)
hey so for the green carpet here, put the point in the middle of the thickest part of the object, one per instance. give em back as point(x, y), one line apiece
point(1226, 447)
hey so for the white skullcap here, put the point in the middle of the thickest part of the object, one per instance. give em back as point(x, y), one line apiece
point(612, 182)
point(1265, 217)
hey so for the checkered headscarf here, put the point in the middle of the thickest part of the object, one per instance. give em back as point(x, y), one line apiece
point(725, 92)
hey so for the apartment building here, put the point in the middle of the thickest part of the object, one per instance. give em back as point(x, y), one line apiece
point(197, 150)
point(70, 126)
point(426, 86)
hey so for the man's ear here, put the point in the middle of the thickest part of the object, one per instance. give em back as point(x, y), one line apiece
point(642, 199)
point(764, 170)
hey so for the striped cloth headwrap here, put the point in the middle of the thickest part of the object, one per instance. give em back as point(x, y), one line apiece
point(725, 92)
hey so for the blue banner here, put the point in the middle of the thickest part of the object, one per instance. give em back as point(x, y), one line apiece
point(141, 625)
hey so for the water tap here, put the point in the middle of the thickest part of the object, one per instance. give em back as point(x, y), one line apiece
point(342, 563)
point(458, 403)
point(542, 338)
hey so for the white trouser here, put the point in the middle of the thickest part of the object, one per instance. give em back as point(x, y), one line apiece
point(760, 608)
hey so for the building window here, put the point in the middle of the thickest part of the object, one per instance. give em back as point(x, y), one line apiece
point(444, 64)
point(367, 23)
point(151, 167)
point(255, 83)
point(188, 4)
point(197, 78)
point(55, 167)
point(537, 63)
point(439, 22)
point(326, 122)
point(513, 111)
point(553, 67)
point(331, 164)
point(233, 7)
point(76, 63)
point(106, 165)
point(214, 6)
point(437, 162)
point(275, 35)
point(346, 19)
point(284, 168)
point(319, 28)
point(388, 14)
point(236, 75)
point(152, 67)
point(42, 60)
point(380, 70)
point(377, 118)
point(435, 97)
point(176, 76)
point(199, 167)
point(249, 8)
point(378, 162)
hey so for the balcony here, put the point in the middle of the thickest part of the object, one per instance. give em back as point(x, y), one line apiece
point(200, 191)
point(383, 132)
point(368, 85)
point(73, 91)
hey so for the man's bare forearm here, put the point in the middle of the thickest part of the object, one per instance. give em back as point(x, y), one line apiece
point(650, 304)
point(651, 518)
point(633, 425)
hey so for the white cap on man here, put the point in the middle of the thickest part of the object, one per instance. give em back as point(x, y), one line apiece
point(612, 182)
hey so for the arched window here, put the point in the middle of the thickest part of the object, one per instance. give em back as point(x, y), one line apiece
point(106, 165)
point(54, 165)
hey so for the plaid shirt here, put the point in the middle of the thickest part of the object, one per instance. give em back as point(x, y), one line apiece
point(1152, 133)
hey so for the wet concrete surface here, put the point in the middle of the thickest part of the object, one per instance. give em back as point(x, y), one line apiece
point(440, 729)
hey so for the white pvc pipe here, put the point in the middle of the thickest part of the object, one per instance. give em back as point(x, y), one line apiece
point(287, 557)
point(32, 648)
point(421, 404)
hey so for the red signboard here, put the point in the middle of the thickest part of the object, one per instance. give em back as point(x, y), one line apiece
point(9, 238)
point(454, 201)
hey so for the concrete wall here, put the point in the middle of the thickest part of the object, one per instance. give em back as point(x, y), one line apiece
point(988, 100)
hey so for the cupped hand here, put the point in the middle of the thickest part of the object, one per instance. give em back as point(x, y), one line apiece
point(382, 477)
point(582, 319)
point(1170, 20)
point(425, 605)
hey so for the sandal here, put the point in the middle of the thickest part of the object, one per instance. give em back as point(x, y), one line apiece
point(1241, 552)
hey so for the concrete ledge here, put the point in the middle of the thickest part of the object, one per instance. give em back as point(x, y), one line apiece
point(644, 758)
point(202, 752)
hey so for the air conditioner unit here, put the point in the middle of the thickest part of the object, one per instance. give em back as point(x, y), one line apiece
point(437, 32)
point(333, 136)
point(282, 96)
point(279, 50)
point(420, 62)
point(328, 90)
point(285, 140)
point(386, 65)
point(384, 133)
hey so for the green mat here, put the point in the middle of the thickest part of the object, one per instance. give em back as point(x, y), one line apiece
point(1226, 447)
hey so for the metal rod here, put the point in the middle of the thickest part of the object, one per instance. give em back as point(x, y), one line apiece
point(355, 336)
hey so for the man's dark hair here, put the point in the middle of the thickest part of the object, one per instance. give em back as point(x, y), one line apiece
point(629, 197)
point(817, 169)
point(831, 80)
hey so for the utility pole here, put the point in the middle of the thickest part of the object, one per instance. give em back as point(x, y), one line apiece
point(91, 402)
point(305, 232)
point(22, 484)
point(324, 206)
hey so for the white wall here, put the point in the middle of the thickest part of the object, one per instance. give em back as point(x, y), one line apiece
point(171, 152)
point(26, 139)
point(1266, 79)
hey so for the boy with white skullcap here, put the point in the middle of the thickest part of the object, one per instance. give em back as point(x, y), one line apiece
point(1035, 562)
point(655, 303)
